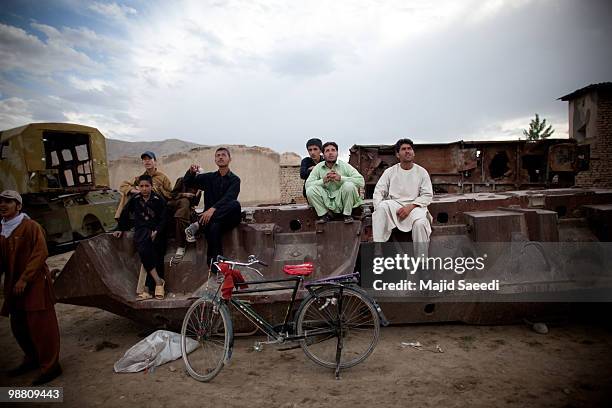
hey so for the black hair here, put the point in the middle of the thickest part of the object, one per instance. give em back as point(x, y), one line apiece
point(145, 177)
point(224, 149)
point(314, 142)
point(329, 144)
point(399, 143)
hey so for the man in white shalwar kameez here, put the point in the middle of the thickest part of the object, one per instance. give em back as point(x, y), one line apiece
point(401, 197)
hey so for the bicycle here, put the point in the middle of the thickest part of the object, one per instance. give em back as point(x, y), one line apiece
point(337, 324)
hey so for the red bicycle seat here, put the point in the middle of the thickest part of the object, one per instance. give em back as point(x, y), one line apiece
point(304, 269)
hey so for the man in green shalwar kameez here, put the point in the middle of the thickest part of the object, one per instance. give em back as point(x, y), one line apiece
point(333, 186)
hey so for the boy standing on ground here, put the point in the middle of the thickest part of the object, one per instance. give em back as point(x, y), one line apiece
point(28, 290)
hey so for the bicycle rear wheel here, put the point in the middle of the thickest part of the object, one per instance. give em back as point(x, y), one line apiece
point(206, 338)
point(322, 323)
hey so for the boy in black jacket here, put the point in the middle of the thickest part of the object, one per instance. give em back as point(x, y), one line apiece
point(147, 211)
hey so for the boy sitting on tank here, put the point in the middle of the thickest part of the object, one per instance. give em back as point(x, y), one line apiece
point(146, 210)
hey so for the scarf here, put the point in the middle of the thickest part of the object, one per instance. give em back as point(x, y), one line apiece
point(9, 226)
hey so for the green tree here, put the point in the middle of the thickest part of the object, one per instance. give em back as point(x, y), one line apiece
point(538, 130)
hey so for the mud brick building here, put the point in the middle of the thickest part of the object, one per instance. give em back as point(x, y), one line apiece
point(590, 123)
point(291, 184)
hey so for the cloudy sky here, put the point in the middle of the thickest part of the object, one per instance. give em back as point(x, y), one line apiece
point(275, 73)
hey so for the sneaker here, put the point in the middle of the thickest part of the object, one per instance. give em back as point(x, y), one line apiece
point(48, 376)
point(348, 219)
point(324, 218)
point(190, 232)
point(178, 257)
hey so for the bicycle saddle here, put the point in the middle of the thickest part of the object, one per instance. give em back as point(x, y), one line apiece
point(304, 269)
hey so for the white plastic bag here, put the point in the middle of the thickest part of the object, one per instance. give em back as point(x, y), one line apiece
point(156, 349)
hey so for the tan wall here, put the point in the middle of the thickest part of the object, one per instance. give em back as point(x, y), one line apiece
point(257, 167)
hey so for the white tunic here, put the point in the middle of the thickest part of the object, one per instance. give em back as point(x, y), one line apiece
point(396, 188)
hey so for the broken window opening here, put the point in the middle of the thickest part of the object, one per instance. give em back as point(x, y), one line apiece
point(499, 165)
point(4, 150)
point(535, 166)
point(69, 154)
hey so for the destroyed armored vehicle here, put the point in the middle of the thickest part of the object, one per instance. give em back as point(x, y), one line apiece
point(103, 272)
point(481, 166)
point(548, 242)
point(61, 171)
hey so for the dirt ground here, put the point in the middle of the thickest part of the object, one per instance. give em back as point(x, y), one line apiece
point(484, 366)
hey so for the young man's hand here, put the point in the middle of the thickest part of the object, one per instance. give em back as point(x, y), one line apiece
point(405, 211)
point(194, 168)
point(19, 287)
point(334, 176)
point(207, 215)
point(135, 190)
point(117, 234)
point(331, 176)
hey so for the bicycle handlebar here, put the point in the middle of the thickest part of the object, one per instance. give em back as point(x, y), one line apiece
point(252, 261)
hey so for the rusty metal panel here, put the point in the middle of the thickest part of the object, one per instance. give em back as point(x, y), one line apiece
point(480, 166)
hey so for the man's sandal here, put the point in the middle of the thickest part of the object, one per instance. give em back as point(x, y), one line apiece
point(159, 290)
point(144, 296)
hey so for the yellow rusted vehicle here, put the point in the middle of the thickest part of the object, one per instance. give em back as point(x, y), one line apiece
point(62, 173)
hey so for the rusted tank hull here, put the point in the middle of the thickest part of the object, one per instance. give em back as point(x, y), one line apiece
point(103, 270)
point(481, 166)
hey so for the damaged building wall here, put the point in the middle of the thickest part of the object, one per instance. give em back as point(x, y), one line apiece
point(257, 167)
point(590, 124)
point(291, 185)
point(290, 182)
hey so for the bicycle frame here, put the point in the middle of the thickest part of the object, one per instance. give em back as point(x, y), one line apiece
point(325, 324)
point(283, 335)
point(247, 311)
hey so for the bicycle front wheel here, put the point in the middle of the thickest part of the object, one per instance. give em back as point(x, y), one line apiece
point(206, 338)
point(328, 317)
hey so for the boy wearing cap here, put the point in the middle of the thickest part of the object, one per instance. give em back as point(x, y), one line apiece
point(147, 212)
point(314, 157)
point(161, 183)
point(28, 290)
